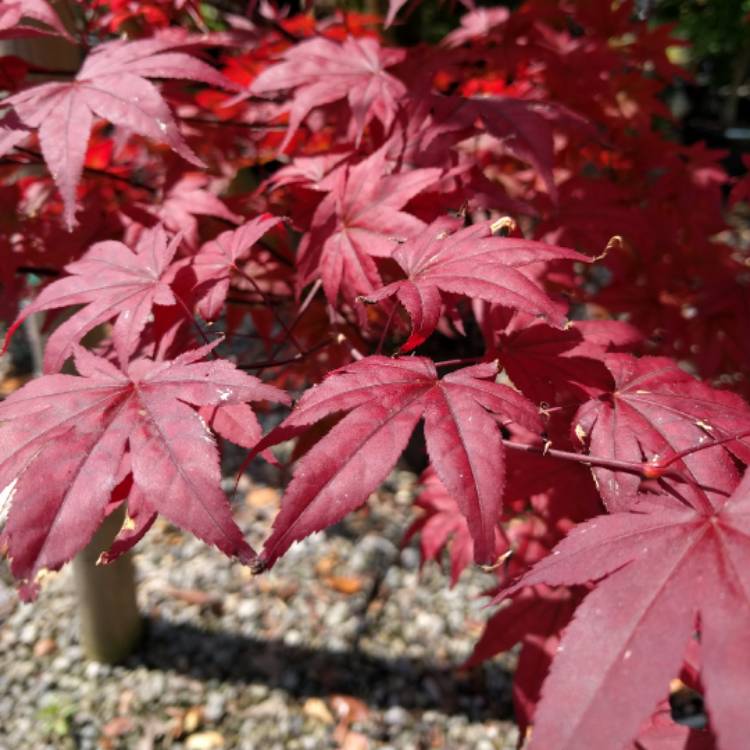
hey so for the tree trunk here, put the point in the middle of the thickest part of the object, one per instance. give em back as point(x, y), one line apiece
point(111, 625)
point(739, 75)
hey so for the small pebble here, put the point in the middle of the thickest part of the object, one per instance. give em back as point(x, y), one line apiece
point(215, 707)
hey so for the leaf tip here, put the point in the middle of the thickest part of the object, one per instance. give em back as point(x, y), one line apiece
point(258, 565)
point(28, 592)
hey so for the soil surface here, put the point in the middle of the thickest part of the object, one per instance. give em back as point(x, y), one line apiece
point(344, 644)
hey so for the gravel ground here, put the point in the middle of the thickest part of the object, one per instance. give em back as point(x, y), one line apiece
point(344, 644)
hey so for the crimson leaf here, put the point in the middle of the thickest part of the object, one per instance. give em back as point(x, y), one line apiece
point(322, 71)
point(385, 399)
point(474, 263)
point(185, 199)
point(111, 84)
point(534, 617)
point(443, 521)
point(83, 425)
point(655, 411)
point(12, 13)
point(661, 569)
point(112, 281)
point(359, 219)
point(525, 128)
point(214, 263)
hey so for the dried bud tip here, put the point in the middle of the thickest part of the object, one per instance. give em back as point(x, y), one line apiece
point(258, 566)
point(500, 560)
point(615, 243)
point(504, 226)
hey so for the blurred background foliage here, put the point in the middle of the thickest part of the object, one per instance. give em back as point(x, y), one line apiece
point(718, 55)
point(712, 102)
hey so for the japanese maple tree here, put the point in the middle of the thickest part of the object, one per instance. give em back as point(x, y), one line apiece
point(489, 235)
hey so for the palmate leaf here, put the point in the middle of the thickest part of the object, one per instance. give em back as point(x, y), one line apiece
point(473, 263)
point(12, 13)
point(186, 197)
point(217, 259)
point(322, 71)
point(385, 399)
point(655, 411)
point(112, 281)
point(663, 570)
point(111, 84)
point(524, 128)
point(360, 219)
point(534, 617)
point(63, 439)
point(548, 364)
point(444, 525)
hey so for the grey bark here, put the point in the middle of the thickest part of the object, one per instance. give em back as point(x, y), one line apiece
point(111, 625)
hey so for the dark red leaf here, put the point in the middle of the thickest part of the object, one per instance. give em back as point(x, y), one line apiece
point(385, 399)
point(217, 259)
point(13, 12)
point(655, 411)
point(111, 84)
point(662, 568)
point(322, 71)
point(113, 281)
point(360, 219)
point(444, 525)
point(535, 617)
point(82, 425)
point(474, 263)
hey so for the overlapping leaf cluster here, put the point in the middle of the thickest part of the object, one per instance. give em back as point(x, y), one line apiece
point(397, 235)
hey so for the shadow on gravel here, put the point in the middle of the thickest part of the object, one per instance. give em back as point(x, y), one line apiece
point(380, 682)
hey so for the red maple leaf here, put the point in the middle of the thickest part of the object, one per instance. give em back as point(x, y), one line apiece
point(655, 412)
point(185, 198)
point(385, 399)
point(443, 524)
point(111, 84)
point(83, 426)
point(661, 569)
point(311, 172)
point(559, 492)
point(322, 71)
point(473, 263)
point(534, 618)
point(359, 219)
point(545, 363)
point(113, 281)
point(12, 13)
point(217, 259)
point(526, 129)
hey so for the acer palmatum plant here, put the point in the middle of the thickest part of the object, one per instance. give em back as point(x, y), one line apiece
point(338, 207)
